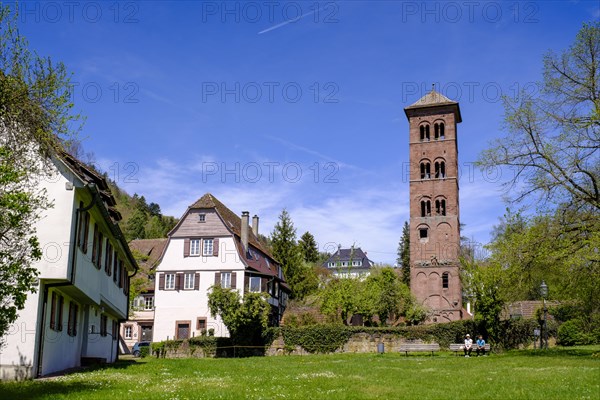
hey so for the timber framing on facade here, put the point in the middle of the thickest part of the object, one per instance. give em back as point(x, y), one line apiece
point(211, 245)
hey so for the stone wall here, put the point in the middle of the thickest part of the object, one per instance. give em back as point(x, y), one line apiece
point(358, 343)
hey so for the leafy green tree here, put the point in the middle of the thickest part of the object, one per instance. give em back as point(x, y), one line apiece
point(308, 248)
point(340, 298)
point(136, 225)
point(532, 249)
point(486, 284)
point(403, 259)
point(287, 252)
point(390, 296)
point(35, 119)
point(247, 319)
point(155, 228)
point(553, 141)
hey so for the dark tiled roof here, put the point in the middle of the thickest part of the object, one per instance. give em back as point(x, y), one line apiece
point(352, 254)
point(89, 175)
point(258, 258)
point(525, 309)
point(231, 220)
point(151, 248)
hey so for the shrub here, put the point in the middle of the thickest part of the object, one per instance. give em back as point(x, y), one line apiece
point(144, 351)
point(572, 333)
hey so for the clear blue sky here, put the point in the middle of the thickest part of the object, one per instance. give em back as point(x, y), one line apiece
point(295, 104)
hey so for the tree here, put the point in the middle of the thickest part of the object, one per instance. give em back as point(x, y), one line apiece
point(532, 249)
point(553, 141)
point(287, 252)
point(35, 121)
point(246, 320)
point(136, 225)
point(485, 285)
point(403, 259)
point(154, 210)
point(340, 298)
point(391, 297)
point(308, 248)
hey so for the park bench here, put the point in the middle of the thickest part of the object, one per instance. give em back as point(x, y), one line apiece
point(456, 347)
point(419, 347)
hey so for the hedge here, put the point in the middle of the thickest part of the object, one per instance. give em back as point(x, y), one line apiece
point(329, 338)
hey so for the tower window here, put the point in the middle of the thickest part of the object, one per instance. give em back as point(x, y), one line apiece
point(424, 133)
point(440, 207)
point(423, 233)
point(425, 170)
point(445, 280)
point(440, 169)
point(425, 208)
point(439, 131)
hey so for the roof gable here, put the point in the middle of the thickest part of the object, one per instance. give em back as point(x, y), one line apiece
point(351, 254)
point(230, 219)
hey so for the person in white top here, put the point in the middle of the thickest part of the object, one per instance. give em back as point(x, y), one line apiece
point(468, 345)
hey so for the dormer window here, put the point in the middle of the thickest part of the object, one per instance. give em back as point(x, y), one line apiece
point(201, 217)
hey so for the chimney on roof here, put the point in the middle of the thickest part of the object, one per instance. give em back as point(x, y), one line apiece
point(255, 225)
point(244, 234)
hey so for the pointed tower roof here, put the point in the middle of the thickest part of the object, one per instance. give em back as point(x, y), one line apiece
point(434, 99)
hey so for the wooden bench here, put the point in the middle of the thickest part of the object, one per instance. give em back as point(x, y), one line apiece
point(422, 347)
point(456, 347)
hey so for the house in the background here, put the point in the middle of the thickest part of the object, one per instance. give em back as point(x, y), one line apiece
point(209, 246)
point(82, 294)
point(139, 326)
point(349, 263)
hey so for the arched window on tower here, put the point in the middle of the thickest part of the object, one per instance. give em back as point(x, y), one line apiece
point(436, 131)
point(440, 207)
point(425, 208)
point(442, 133)
point(445, 277)
point(440, 169)
point(424, 132)
point(425, 170)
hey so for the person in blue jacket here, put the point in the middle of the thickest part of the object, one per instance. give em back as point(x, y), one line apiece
point(480, 346)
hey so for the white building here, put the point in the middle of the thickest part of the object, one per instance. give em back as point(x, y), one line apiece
point(73, 317)
point(209, 246)
point(139, 326)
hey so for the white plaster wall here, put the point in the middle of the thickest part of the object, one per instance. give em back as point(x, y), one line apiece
point(19, 341)
point(61, 351)
point(54, 228)
point(184, 305)
point(97, 345)
point(174, 259)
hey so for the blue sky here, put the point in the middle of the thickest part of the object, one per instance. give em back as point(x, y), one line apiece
point(296, 104)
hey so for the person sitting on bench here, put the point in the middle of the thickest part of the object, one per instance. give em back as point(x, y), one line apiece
point(480, 346)
point(468, 345)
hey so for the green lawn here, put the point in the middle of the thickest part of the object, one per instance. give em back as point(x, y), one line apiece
point(556, 374)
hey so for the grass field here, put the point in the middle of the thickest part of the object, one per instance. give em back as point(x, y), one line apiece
point(555, 374)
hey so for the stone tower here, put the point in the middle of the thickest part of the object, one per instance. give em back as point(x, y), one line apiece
point(434, 205)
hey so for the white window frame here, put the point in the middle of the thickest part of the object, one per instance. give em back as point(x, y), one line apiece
point(138, 302)
point(226, 280)
point(188, 281)
point(148, 302)
point(250, 284)
point(169, 281)
point(202, 217)
point(194, 247)
point(207, 247)
point(128, 332)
